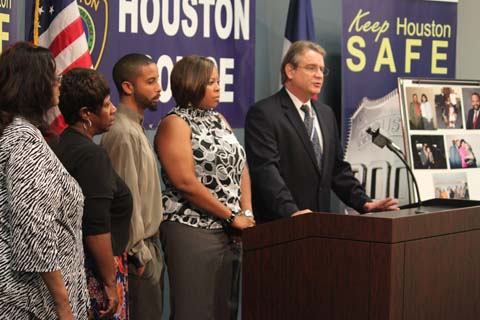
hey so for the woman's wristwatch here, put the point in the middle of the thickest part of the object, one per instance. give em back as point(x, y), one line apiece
point(229, 220)
point(247, 213)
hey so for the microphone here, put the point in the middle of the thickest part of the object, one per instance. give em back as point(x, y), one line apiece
point(381, 141)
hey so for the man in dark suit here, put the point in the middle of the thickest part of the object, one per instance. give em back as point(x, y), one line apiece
point(293, 148)
point(473, 119)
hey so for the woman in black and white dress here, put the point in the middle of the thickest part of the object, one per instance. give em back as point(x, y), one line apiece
point(41, 251)
point(207, 193)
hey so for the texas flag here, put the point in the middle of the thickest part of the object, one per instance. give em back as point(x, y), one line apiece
point(299, 23)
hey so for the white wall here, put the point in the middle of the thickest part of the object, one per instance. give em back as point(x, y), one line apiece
point(468, 40)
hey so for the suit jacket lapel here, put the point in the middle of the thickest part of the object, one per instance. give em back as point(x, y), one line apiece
point(292, 114)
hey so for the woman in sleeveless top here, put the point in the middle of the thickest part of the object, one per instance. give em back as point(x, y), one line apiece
point(207, 196)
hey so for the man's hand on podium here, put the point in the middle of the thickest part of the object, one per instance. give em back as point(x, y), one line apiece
point(387, 204)
point(300, 212)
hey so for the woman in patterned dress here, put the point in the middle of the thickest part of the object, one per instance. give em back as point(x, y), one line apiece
point(41, 251)
point(207, 192)
point(86, 106)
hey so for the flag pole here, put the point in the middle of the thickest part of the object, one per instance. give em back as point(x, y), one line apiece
point(36, 22)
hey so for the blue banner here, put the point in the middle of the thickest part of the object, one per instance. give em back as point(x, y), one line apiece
point(167, 30)
point(8, 22)
point(384, 40)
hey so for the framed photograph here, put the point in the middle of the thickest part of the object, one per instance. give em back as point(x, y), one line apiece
point(451, 186)
point(440, 118)
point(428, 152)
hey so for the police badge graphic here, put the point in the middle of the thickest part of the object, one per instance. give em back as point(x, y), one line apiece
point(94, 15)
point(379, 170)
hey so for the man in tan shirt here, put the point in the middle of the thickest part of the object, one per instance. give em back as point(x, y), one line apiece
point(136, 78)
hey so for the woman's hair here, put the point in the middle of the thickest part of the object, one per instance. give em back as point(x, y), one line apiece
point(189, 80)
point(82, 88)
point(27, 76)
point(424, 96)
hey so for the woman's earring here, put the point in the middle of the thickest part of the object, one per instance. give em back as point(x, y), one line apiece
point(86, 123)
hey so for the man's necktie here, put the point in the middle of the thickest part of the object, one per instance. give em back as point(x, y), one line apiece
point(475, 118)
point(312, 133)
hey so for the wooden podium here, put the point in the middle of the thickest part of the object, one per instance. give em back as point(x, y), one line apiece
point(388, 265)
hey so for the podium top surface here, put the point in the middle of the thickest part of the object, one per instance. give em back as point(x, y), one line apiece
point(439, 217)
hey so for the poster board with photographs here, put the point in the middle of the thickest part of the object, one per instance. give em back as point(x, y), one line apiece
point(442, 137)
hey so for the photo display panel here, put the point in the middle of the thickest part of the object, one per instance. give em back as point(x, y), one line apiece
point(441, 119)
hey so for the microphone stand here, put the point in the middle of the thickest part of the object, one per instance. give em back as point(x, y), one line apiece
point(379, 140)
point(400, 155)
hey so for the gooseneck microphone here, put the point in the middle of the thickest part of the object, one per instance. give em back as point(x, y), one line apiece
point(381, 141)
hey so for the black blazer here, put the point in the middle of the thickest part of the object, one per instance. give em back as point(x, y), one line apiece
point(470, 120)
point(284, 173)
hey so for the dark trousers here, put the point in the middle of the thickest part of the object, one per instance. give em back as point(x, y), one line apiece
point(204, 272)
point(146, 291)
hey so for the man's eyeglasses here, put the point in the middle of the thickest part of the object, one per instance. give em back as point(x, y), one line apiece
point(313, 69)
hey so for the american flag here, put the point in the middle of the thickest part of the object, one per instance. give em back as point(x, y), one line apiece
point(57, 25)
